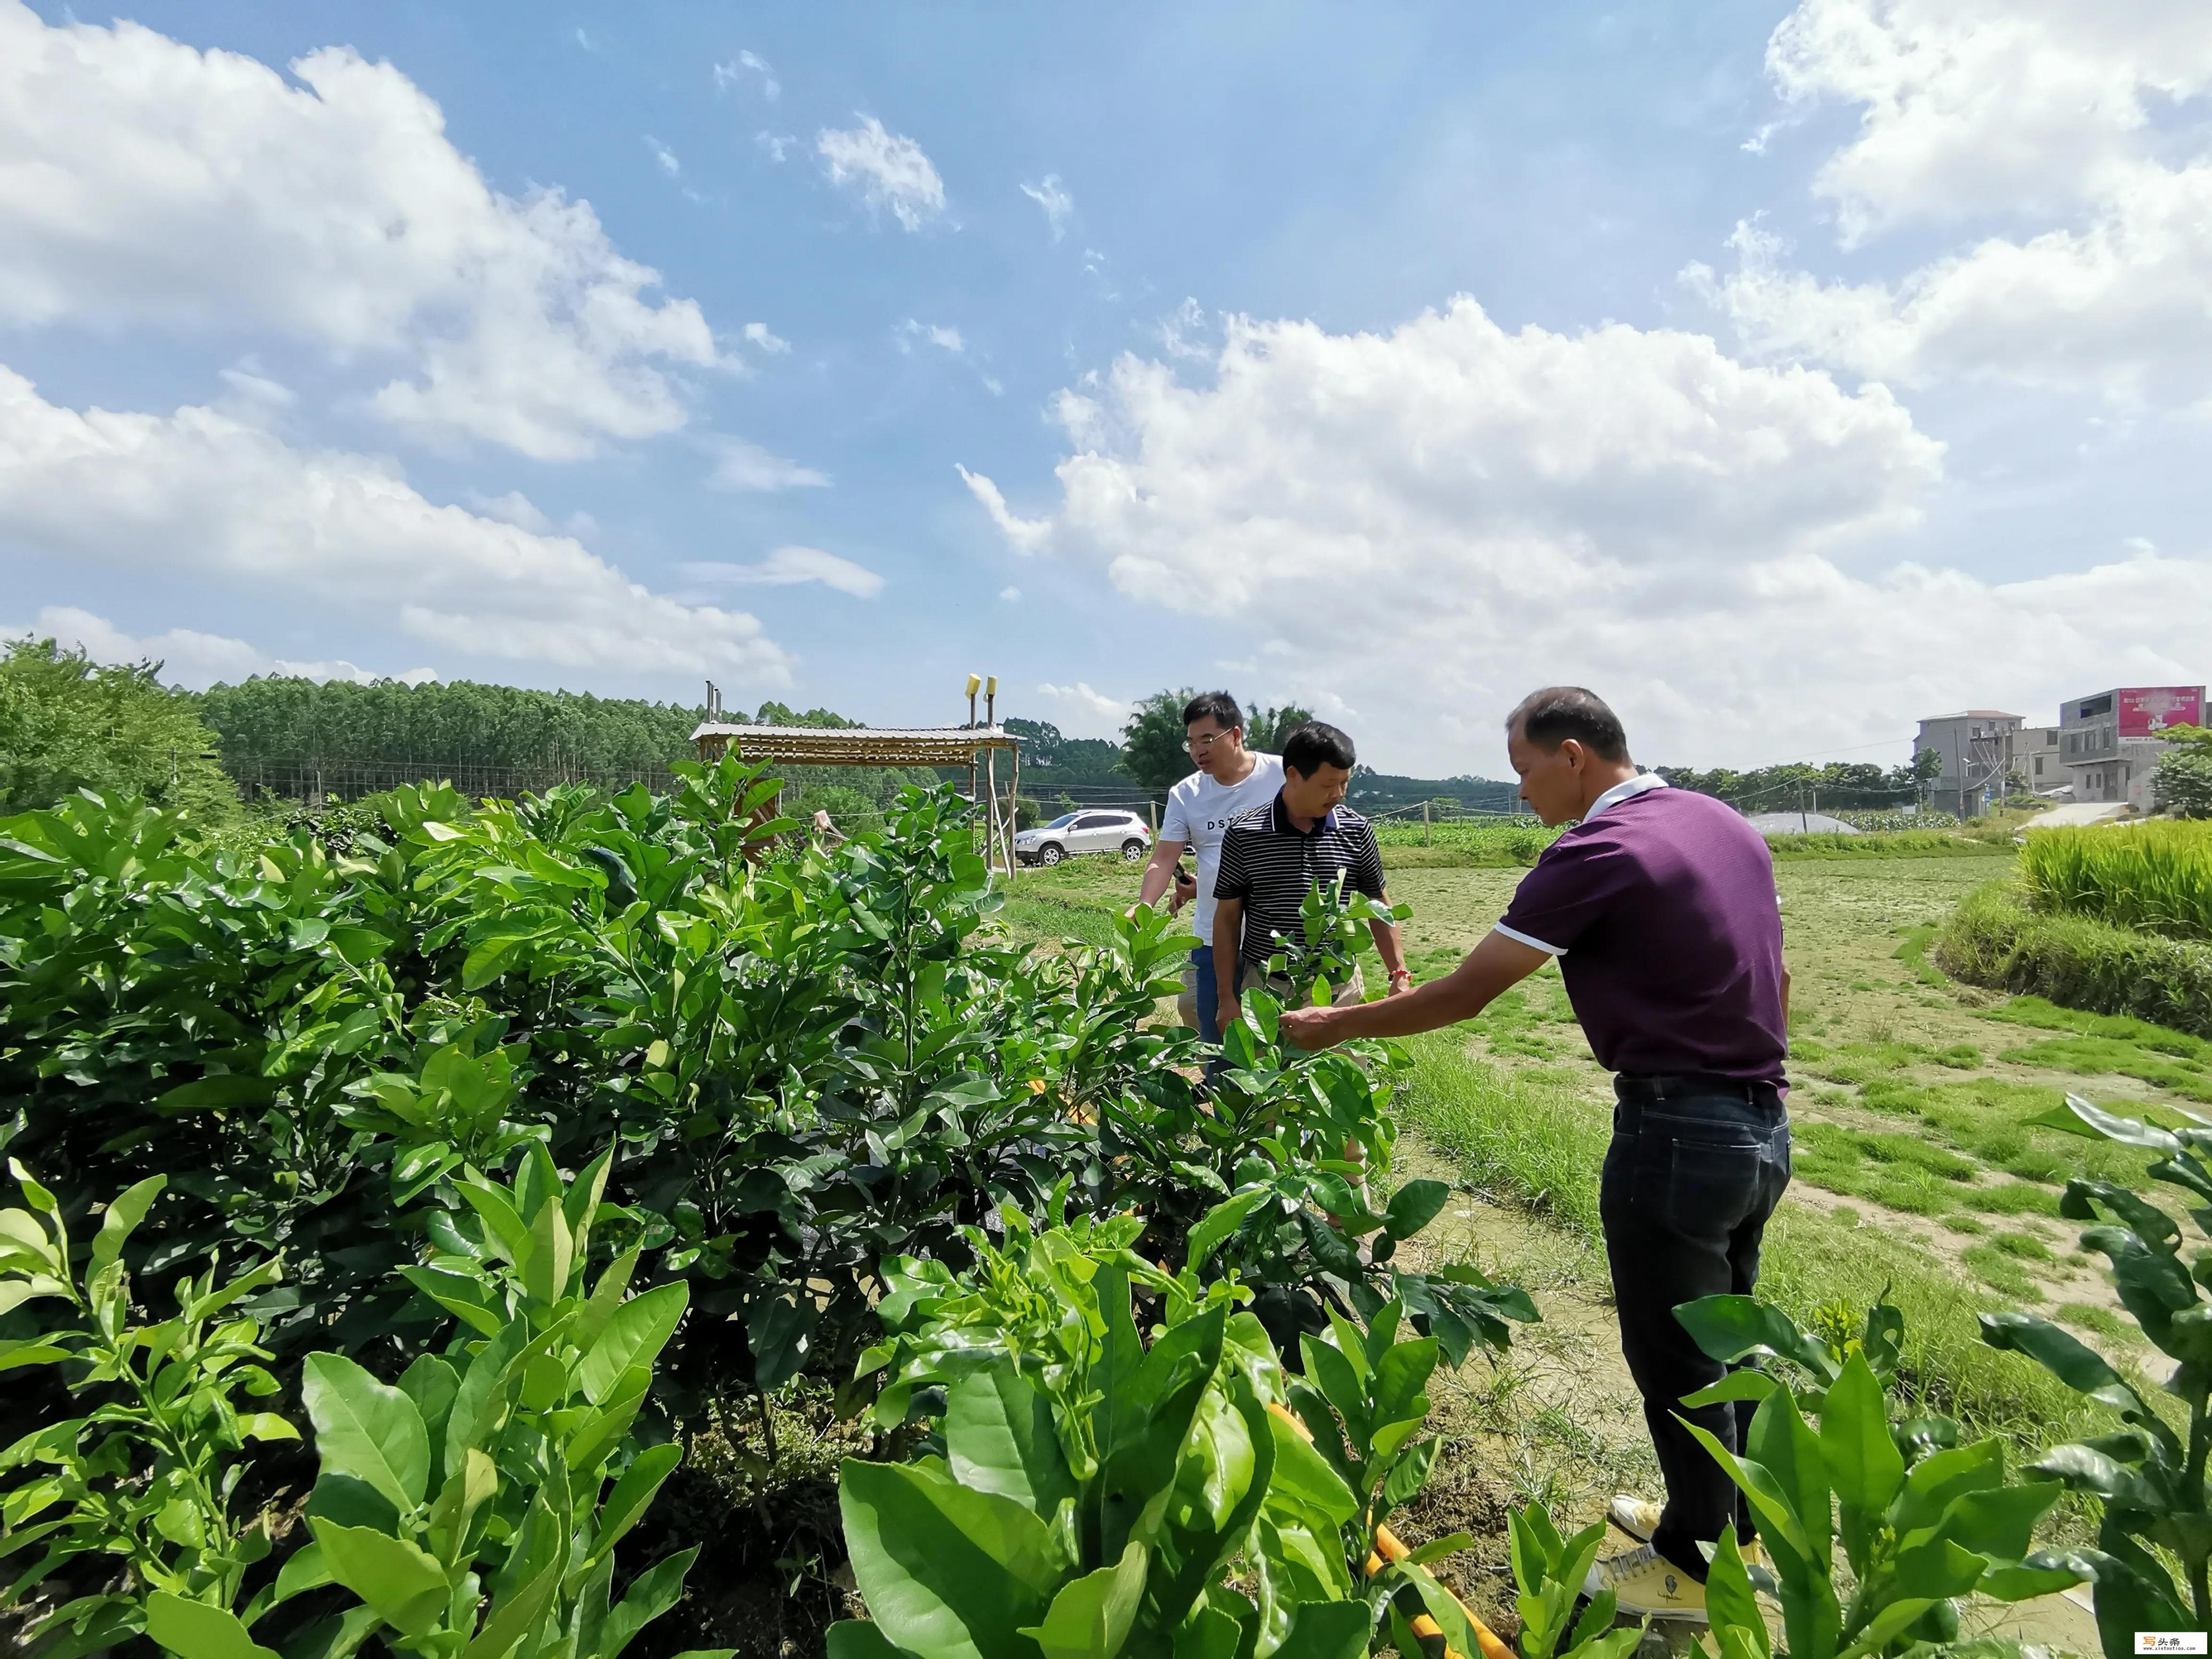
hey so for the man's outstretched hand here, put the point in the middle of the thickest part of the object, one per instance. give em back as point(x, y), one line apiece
point(1308, 1028)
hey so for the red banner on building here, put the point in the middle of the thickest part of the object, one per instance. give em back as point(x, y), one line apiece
point(2146, 711)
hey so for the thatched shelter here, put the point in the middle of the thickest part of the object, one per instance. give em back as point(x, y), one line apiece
point(976, 747)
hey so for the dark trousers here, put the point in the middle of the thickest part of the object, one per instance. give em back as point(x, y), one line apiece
point(1695, 1169)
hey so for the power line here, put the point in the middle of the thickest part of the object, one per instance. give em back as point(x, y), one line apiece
point(1857, 749)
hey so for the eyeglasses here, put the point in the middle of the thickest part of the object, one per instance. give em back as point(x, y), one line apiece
point(1205, 744)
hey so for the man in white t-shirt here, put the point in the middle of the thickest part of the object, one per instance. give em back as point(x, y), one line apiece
point(1230, 779)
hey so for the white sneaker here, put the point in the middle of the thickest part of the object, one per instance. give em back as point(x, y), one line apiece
point(1636, 1516)
point(1647, 1585)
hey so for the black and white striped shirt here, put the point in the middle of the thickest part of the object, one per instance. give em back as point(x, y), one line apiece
point(1269, 865)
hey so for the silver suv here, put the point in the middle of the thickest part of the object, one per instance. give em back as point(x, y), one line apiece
point(1093, 830)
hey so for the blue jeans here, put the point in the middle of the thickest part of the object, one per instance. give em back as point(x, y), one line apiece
point(1209, 995)
point(1695, 1169)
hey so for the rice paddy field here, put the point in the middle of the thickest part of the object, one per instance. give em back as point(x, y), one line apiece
point(2156, 877)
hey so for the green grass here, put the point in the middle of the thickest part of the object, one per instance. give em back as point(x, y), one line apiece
point(2044, 1016)
point(1811, 1259)
point(1996, 1269)
point(1897, 844)
point(1913, 953)
point(2097, 1321)
point(2013, 1198)
point(1078, 901)
point(1523, 1136)
point(1994, 939)
point(1495, 844)
point(2093, 1056)
point(2027, 1246)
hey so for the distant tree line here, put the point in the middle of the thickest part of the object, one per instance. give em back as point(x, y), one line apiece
point(67, 723)
point(1839, 784)
point(1150, 758)
point(459, 722)
point(1050, 757)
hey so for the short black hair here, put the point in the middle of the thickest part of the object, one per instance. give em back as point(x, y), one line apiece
point(1216, 706)
point(1548, 717)
point(1316, 745)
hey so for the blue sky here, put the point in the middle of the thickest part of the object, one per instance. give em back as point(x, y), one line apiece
point(1784, 373)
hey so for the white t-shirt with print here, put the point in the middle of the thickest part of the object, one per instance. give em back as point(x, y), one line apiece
point(1199, 811)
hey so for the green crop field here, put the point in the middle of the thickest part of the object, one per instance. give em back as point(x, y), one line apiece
point(2155, 877)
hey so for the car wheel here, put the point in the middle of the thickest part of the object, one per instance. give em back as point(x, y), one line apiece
point(1052, 854)
point(1133, 850)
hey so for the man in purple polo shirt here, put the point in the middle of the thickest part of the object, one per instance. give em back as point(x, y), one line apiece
point(1659, 906)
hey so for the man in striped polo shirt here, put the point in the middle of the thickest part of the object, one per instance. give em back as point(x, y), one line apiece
point(1273, 856)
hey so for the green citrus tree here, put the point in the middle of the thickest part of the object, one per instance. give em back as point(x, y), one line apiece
point(68, 723)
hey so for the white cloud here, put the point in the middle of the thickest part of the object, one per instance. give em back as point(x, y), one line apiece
point(1182, 333)
point(187, 656)
point(1052, 196)
point(742, 465)
point(142, 182)
point(513, 508)
point(516, 508)
point(1094, 267)
point(1972, 108)
point(1438, 519)
point(778, 145)
point(1011, 595)
point(256, 388)
point(889, 170)
point(949, 339)
point(1027, 535)
point(665, 157)
point(735, 71)
point(760, 335)
point(2069, 123)
point(1088, 714)
point(789, 565)
point(204, 497)
point(941, 335)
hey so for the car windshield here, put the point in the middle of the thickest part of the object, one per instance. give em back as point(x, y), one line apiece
point(1061, 822)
